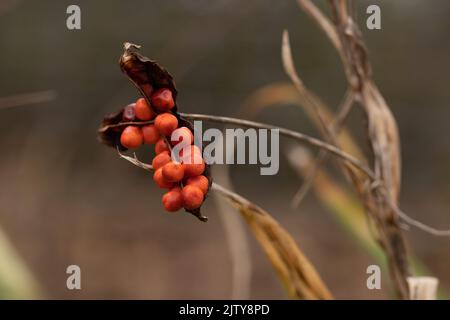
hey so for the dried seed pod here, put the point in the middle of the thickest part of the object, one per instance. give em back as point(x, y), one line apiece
point(162, 100)
point(148, 76)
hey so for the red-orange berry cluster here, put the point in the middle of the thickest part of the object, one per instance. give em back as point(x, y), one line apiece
point(183, 177)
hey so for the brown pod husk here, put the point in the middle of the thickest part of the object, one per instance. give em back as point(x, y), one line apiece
point(147, 75)
point(109, 135)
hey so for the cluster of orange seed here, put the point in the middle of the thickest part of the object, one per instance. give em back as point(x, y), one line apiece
point(181, 174)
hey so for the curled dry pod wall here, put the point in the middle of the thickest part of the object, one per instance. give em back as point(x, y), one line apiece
point(147, 75)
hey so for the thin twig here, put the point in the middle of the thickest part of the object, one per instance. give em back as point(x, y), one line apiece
point(419, 225)
point(329, 131)
point(236, 239)
point(324, 23)
point(336, 127)
point(288, 133)
point(27, 99)
point(129, 123)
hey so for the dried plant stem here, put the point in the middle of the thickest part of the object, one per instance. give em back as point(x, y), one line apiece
point(419, 225)
point(383, 135)
point(27, 99)
point(236, 238)
point(288, 133)
point(323, 22)
point(123, 124)
point(329, 130)
point(336, 127)
point(297, 274)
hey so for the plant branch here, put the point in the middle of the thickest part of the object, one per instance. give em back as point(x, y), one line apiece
point(288, 133)
point(336, 126)
point(122, 124)
point(27, 99)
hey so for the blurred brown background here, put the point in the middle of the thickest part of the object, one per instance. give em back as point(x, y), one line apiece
point(65, 199)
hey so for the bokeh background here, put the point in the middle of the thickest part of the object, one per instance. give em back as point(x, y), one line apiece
point(65, 199)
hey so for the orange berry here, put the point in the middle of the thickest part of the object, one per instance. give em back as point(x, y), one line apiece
point(131, 137)
point(160, 160)
point(193, 163)
point(150, 134)
point(192, 153)
point(128, 113)
point(160, 181)
point(162, 100)
point(143, 110)
point(161, 146)
point(199, 181)
point(186, 153)
point(173, 199)
point(173, 171)
point(193, 170)
point(182, 134)
point(166, 123)
point(192, 197)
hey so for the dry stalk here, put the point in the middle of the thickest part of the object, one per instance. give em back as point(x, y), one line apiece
point(297, 274)
point(27, 99)
point(329, 129)
point(382, 133)
point(360, 166)
point(236, 238)
point(322, 156)
point(124, 124)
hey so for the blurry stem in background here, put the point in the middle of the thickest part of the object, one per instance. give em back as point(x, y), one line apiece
point(237, 241)
point(329, 130)
point(336, 127)
point(27, 99)
point(16, 281)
